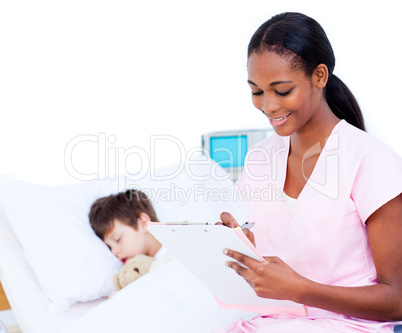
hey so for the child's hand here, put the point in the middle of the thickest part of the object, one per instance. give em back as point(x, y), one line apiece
point(229, 221)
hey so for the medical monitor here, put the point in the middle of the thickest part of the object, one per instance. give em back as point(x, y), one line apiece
point(229, 148)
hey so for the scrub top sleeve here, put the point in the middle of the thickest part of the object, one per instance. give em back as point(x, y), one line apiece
point(378, 180)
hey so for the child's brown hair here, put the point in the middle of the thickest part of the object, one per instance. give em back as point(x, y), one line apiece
point(124, 206)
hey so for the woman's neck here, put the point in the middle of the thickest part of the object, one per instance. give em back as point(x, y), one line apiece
point(314, 133)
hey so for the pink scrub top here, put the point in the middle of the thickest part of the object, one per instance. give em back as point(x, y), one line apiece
point(324, 236)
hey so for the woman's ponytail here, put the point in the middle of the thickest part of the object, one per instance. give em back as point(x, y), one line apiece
point(342, 102)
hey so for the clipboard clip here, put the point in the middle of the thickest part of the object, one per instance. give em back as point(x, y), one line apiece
point(186, 222)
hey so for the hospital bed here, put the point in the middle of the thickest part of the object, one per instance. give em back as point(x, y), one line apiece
point(57, 274)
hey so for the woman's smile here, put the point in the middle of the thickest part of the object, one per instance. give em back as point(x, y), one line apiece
point(279, 120)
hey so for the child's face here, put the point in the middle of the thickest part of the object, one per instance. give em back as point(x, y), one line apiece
point(125, 242)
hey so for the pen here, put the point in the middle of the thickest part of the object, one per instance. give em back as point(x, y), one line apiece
point(247, 225)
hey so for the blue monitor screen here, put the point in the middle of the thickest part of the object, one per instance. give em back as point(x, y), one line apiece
point(229, 151)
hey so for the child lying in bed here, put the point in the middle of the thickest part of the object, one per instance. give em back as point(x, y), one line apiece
point(120, 220)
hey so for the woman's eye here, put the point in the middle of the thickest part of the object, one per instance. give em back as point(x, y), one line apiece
point(283, 93)
point(258, 93)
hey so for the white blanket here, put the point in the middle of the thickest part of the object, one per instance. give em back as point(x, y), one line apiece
point(167, 299)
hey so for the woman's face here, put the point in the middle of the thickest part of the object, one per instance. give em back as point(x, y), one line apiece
point(284, 94)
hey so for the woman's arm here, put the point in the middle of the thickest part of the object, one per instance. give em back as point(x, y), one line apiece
point(382, 301)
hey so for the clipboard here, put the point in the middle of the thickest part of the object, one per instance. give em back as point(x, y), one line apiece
point(199, 247)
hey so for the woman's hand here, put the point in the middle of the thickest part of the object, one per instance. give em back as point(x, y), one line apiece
point(271, 278)
point(229, 221)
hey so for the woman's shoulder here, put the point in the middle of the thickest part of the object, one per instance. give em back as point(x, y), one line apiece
point(370, 170)
point(360, 143)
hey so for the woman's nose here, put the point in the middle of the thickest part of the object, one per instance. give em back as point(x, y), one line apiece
point(269, 105)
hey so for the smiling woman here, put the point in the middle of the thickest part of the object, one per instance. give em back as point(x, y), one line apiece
point(334, 249)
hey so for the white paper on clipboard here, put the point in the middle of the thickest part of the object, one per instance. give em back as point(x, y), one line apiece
point(200, 249)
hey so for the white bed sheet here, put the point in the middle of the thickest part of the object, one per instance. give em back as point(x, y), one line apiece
point(167, 299)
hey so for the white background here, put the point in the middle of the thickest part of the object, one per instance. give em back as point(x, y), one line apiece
point(94, 80)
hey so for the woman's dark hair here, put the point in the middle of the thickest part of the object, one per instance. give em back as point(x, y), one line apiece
point(124, 206)
point(297, 35)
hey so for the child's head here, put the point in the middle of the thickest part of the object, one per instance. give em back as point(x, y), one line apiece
point(120, 220)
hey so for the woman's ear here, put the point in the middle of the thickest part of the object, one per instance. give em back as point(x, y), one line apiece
point(320, 76)
point(143, 221)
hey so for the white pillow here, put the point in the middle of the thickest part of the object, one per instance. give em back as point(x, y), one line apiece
point(196, 189)
point(70, 262)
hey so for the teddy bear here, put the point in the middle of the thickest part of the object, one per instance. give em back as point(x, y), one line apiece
point(134, 268)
